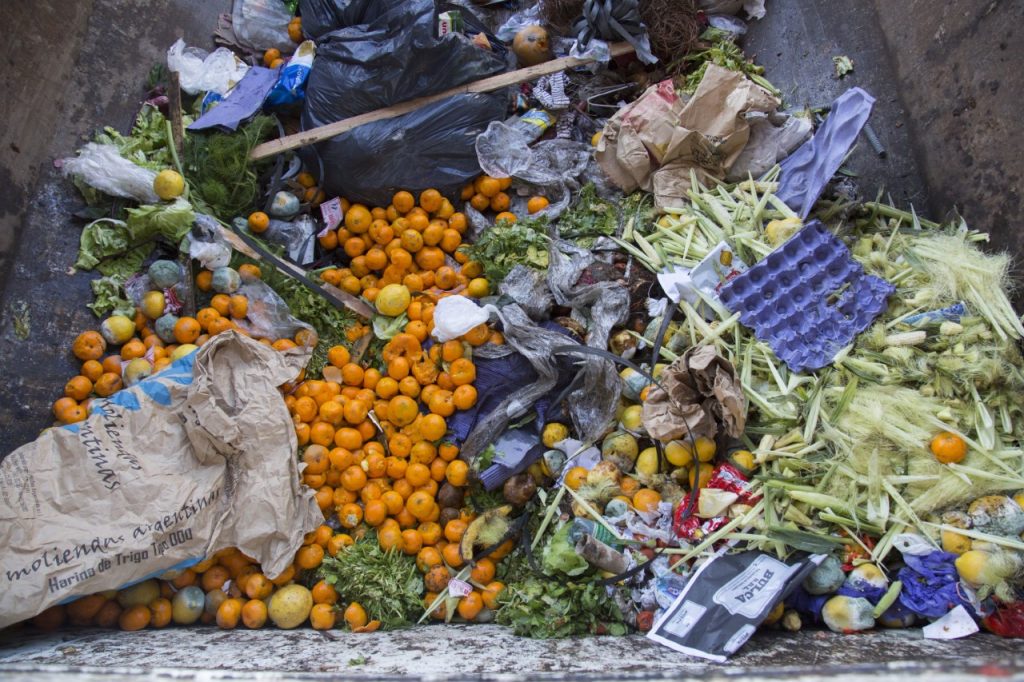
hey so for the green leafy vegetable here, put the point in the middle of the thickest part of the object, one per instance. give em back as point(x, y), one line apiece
point(118, 247)
point(110, 297)
point(589, 217)
point(146, 145)
point(386, 584)
point(506, 245)
point(843, 64)
point(223, 181)
point(385, 327)
point(560, 555)
point(726, 53)
point(545, 608)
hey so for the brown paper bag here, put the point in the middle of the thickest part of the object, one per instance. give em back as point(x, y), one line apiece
point(199, 457)
point(656, 141)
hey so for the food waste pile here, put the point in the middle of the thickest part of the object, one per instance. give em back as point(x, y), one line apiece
point(615, 348)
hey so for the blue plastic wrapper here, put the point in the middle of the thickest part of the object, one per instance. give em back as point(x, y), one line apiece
point(805, 603)
point(864, 590)
point(806, 171)
point(291, 84)
point(930, 584)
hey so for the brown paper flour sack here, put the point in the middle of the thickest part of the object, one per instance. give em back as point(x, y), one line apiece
point(196, 458)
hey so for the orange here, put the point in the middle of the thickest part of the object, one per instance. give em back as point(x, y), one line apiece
point(948, 448)
point(444, 277)
point(136, 349)
point(483, 571)
point(646, 500)
point(254, 613)
point(398, 369)
point(402, 410)
point(536, 204)
point(354, 478)
point(433, 232)
point(433, 427)
point(412, 541)
point(204, 280)
point(214, 578)
point(505, 216)
point(409, 386)
point(135, 618)
point(358, 219)
point(389, 538)
point(420, 504)
point(356, 411)
point(309, 556)
point(492, 593)
point(321, 433)
point(322, 616)
point(258, 222)
point(430, 200)
point(229, 613)
point(457, 473)
point(464, 397)
point(258, 586)
point(442, 403)
point(403, 201)
point(472, 268)
point(352, 374)
point(270, 55)
point(417, 474)
point(462, 371)
point(89, 346)
point(108, 614)
point(467, 191)
point(338, 543)
point(238, 307)
point(108, 384)
point(161, 612)
point(450, 240)
point(448, 451)
point(504, 549)
point(186, 330)
point(78, 388)
point(457, 221)
point(480, 202)
point(92, 370)
point(427, 558)
point(478, 335)
point(488, 186)
point(355, 615)
point(500, 202)
point(452, 556)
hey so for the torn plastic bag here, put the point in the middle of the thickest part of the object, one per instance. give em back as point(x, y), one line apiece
point(200, 71)
point(599, 306)
point(207, 245)
point(773, 137)
point(527, 287)
point(268, 315)
point(806, 172)
point(553, 166)
point(101, 166)
point(297, 237)
point(395, 58)
point(456, 315)
point(262, 24)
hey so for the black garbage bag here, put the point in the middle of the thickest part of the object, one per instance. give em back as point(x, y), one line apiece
point(394, 57)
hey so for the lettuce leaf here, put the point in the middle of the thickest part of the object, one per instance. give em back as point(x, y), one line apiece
point(560, 555)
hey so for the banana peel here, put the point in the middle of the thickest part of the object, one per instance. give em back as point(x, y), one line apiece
point(486, 530)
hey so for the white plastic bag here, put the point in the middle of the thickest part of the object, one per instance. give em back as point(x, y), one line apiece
point(199, 71)
point(102, 166)
point(262, 23)
point(456, 315)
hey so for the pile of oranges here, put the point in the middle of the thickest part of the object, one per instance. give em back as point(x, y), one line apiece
point(415, 245)
point(488, 193)
point(142, 351)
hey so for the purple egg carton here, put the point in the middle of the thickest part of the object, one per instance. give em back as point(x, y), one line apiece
point(808, 299)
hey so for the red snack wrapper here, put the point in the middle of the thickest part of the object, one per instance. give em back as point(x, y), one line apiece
point(729, 478)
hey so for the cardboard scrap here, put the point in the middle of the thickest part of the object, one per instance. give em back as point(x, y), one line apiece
point(701, 396)
point(198, 457)
point(655, 142)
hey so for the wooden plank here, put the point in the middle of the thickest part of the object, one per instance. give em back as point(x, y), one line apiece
point(333, 294)
point(314, 135)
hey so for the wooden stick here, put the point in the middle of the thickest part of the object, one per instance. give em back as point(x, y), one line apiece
point(313, 135)
point(333, 294)
point(177, 121)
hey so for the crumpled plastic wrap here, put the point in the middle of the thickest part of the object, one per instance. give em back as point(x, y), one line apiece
point(527, 287)
point(202, 71)
point(699, 395)
point(553, 166)
point(206, 243)
point(268, 315)
point(262, 24)
point(101, 166)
